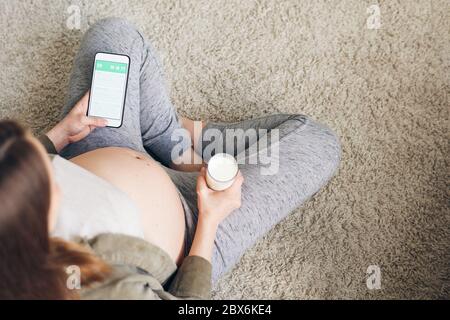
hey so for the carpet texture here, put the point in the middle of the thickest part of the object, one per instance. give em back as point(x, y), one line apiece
point(384, 91)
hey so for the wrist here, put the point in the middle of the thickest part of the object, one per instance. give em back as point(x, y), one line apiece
point(58, 136)
point(203, 242)
point(207, 222)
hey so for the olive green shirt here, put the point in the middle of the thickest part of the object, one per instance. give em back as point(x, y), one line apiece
point(141, 270)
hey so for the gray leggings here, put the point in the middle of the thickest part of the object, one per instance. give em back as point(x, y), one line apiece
point(308, 156)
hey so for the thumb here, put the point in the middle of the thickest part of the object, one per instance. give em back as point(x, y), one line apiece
point(94, 121)
point(237, 184)
point(201, 184)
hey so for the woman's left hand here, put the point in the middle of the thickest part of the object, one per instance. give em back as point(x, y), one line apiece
point(75, 126)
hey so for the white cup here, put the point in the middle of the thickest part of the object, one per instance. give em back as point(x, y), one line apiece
point(221, 172)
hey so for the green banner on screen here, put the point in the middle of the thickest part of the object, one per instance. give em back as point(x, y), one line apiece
point(109, 66)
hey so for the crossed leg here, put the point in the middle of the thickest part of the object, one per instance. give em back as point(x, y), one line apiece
point(308, 153)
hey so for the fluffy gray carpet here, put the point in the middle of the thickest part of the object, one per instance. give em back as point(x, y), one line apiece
point(384, 91)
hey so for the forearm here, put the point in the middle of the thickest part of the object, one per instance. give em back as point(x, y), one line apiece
point(189, 161)
point(193, 279)
point(58, 137)
point(203, 242)
point(48, 144)
point(194, 276)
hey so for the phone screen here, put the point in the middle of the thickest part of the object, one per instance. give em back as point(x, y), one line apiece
point(108, 89)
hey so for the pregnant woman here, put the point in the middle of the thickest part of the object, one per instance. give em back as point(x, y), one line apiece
point(135, 224)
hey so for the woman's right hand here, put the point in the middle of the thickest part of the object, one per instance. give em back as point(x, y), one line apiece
point(215, 206)
point(75, 126)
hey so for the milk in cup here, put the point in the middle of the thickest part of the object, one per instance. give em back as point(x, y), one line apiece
point(221, 172)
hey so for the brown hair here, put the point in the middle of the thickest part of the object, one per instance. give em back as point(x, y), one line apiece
point(32, 265)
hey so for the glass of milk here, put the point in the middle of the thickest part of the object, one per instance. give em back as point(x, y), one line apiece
point(221, 172)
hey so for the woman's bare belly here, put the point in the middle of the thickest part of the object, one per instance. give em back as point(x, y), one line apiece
point(145, 182)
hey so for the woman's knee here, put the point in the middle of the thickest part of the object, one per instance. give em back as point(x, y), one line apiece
point(112, 24)
point(317, 144)
point(334, 147)
point(115, 35)
point(330, 146)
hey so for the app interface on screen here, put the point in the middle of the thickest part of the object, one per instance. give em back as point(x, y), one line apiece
point(108, 89)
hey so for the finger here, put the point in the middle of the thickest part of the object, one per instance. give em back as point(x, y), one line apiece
point(236, 186)
point(239, 177)
point(203, 171)
point(80, 135)
point(82, 105)
point(85, 98)
point(94, 121)
point(201, 184)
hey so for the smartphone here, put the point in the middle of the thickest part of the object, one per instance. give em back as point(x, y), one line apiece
point(109, 87)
